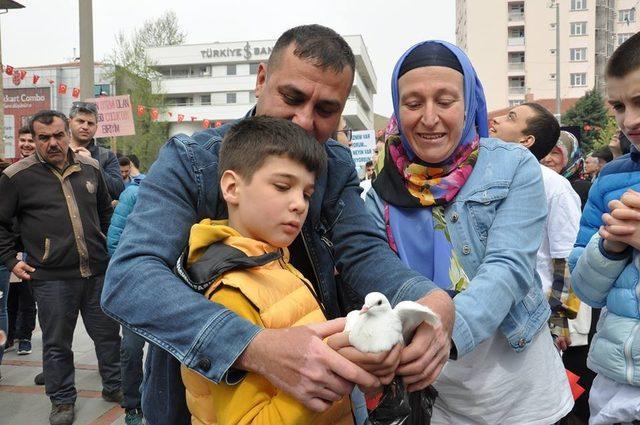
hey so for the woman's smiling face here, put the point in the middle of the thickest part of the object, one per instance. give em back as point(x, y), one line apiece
point(432, 111)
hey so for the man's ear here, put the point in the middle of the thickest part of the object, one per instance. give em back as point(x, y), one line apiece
point(230, 183)
point(261, 79)
point(528, 141)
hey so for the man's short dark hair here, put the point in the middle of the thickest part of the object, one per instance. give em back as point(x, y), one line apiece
point(603, 154)
point(544, 127)
point(46, 117)
point(322, 46)
point(134, 160)
point(124, 161)
point(24, 130)
point(625, 59)
point(248, 144)
point(83, 108)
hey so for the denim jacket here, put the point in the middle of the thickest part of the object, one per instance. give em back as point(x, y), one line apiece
point(495, 223)
point(182, 188)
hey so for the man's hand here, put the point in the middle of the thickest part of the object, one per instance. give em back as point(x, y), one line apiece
point(422, 361)
point(297, 361)
point(22, 270)
point(562, 342)
point(82, 151)
point(382, 365)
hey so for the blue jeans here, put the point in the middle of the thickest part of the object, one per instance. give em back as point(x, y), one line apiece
point(131, 368)
point(4, 290)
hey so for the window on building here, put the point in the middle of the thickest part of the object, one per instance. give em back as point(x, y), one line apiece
point(627, 15)
point(578, 4)
point(231, 97)
point(205, 99)
point(179, 101)
point(204, 71)
point(232, 69)
point(253, 68)
point(252, 97)
point(578, 28)
point(578, 79)
point(622, 37)
point(515, 102)
point(578, 54)
point(101, 90)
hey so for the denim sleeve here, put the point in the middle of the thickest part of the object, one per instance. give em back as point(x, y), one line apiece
point(140, 289)
point(363, 256)
point(596, 271)
point(507, 270)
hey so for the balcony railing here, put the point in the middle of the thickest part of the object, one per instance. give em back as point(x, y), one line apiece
point(515, 41)
point(516, 90)
point(513, 17)
point(516, 66)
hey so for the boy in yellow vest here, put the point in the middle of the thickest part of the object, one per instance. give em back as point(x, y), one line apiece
point(268, 168)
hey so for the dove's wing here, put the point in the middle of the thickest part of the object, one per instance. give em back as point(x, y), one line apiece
point(351, 319)
point(411, 315)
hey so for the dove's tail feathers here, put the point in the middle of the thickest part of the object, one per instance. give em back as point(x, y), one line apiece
point(412, 315)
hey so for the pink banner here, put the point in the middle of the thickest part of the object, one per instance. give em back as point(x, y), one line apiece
point(115, 117)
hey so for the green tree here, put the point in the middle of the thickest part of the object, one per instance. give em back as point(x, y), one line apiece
point(590, 114)
point(134, 75)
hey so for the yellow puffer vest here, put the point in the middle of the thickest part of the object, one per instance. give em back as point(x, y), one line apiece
point(282, 297)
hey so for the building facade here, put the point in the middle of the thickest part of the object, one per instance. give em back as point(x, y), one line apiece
point(512, 44)
point(216, 81)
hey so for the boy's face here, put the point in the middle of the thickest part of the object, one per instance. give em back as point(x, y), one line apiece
point(624, 98)
point(273, 206)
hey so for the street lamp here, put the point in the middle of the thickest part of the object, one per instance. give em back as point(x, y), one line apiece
point(5, 5)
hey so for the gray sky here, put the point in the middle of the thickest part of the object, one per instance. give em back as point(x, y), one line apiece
point(46, 31)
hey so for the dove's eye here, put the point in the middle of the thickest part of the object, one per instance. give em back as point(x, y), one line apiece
point(379, 302)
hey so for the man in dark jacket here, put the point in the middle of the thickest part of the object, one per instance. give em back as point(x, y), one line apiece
point(83, 124)
point(63, 209)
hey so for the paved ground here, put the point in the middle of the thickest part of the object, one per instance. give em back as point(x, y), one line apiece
point(24, 403)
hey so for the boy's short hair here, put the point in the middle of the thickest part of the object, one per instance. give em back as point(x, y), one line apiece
point(251, 141)
point(124, 161)
point(544, 127)
point(24, 130)
point(625, 59)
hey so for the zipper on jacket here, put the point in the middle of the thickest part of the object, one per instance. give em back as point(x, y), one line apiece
point(315, 273)
point(627, 354)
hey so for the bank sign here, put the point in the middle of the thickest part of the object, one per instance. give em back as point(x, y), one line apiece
point(245, 52)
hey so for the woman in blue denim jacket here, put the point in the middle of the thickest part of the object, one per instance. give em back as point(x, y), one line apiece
point(467, 212)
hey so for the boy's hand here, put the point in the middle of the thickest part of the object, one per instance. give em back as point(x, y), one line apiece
point(382, 365)
point(298, 361)
point(622, 226)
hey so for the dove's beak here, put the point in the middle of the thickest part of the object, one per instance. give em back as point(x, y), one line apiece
point(364, 309)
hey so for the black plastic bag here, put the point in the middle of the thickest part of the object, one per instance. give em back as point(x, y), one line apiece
point(400, 407)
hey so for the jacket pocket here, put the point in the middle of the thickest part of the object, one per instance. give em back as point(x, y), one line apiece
point(47, 250)
point(482, 206)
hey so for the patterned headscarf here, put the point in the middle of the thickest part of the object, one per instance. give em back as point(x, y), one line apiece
point(405, 180)
point(568, 144)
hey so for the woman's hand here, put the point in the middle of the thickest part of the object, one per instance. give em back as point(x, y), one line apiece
point(423, 359)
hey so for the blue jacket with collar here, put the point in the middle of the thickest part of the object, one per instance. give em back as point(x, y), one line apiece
point(182, 188)
point(125, 206)
point(495, 223)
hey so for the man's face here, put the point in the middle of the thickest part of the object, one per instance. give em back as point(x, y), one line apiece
point(369, 171)
point(52, 142)
point(511, 127)
point(83, 127)
point(303, 93)
point(26, 145)
point(592, 165)
point(624, 97)
point(125, 171)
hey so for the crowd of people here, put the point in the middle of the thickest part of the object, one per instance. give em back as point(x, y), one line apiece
point(240, 252)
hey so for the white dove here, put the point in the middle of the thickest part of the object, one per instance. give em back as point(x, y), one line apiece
point(377, 327)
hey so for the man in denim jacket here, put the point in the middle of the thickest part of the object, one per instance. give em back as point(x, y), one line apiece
point(307, 80)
